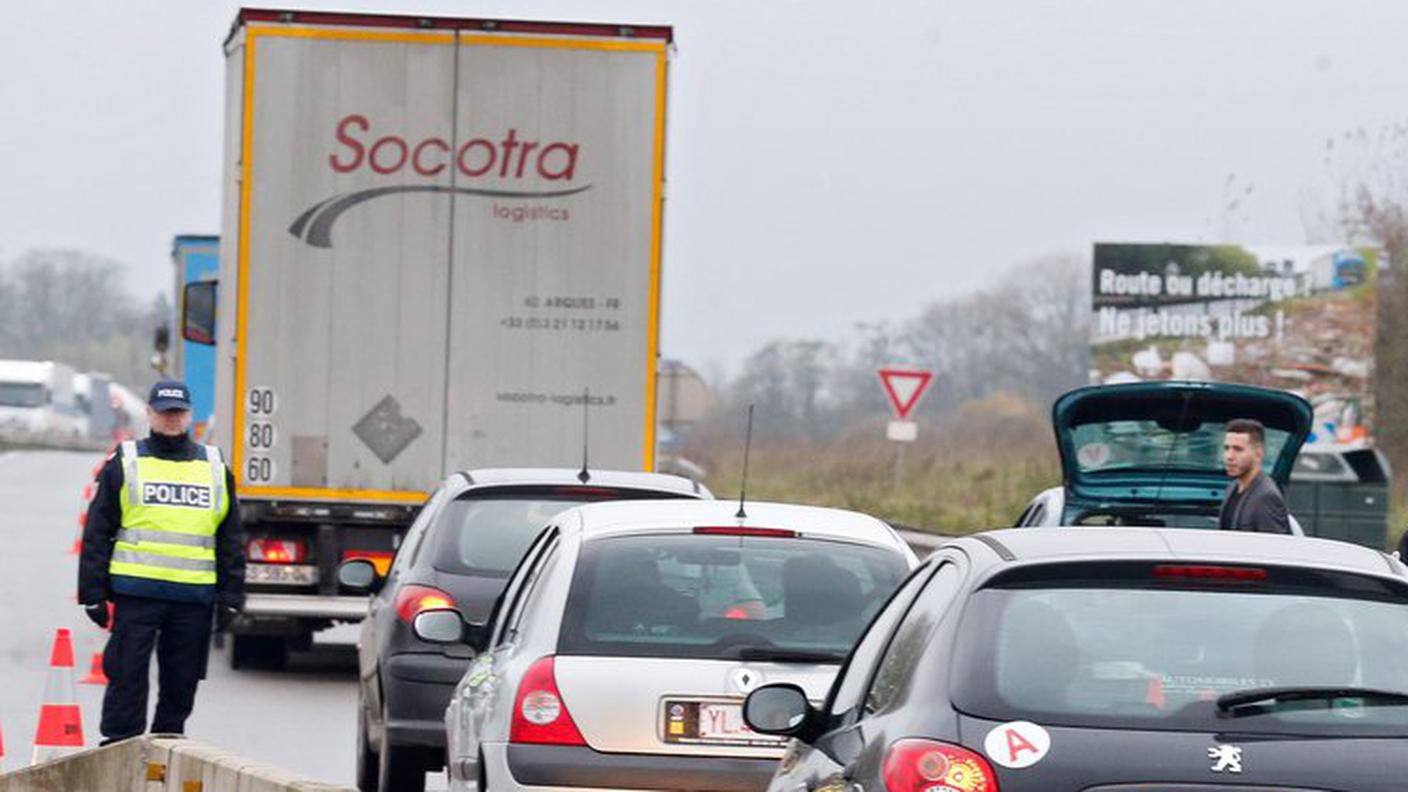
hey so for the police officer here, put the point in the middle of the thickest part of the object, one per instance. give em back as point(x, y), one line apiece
point(163, 544)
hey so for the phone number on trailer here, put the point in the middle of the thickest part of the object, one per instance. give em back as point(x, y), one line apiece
point(560, 324)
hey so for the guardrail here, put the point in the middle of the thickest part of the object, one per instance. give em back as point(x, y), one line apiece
point(154, 763)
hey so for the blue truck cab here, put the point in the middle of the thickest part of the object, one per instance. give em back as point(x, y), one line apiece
point(196, 260)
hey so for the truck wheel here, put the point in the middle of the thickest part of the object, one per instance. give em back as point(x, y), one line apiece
point(367, 759)
point(402, 768)
point(262, 652)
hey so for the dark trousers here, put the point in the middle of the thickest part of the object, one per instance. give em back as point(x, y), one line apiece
point(180, 633)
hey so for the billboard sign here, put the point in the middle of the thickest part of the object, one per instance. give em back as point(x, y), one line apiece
point(1299, 318)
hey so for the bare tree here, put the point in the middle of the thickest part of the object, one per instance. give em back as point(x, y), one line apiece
point(1368, 173)
point(69, 305)
point(1029, 335)
point(787, 382)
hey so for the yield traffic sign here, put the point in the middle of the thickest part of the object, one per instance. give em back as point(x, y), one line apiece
point(904, 387)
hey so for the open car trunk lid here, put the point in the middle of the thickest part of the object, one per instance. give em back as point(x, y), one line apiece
point(1160, 442)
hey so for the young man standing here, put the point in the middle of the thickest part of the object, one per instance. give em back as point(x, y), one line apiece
point(1253, 501)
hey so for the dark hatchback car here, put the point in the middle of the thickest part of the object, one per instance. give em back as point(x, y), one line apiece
point(1117, 660)
point(458, 553)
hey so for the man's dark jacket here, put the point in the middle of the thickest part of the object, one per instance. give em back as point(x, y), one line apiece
point(1261, 508)
point(105, 519)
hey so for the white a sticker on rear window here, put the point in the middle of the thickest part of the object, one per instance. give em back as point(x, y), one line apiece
point(1017, 744)
point(191, 496)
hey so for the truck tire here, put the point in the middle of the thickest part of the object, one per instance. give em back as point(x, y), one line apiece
point(368, 770)
point(259, 652)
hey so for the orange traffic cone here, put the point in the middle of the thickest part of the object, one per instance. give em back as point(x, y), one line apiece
point(2, 752)
point(60, 729)
point(95, 663)
point(95, 667)
point(77, 546)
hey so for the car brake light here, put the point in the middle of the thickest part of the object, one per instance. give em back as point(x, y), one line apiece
point(598, 493)
point(746, 610)
point(539, 714)
point(277, 551)
point(413, 599)
point(1204, 572)
point(914, 765)
point(739, 530)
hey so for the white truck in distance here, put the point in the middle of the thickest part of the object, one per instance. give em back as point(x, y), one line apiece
point(38, 405)
point(438, 236)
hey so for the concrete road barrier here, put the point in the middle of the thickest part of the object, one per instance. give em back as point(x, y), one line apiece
point(159, 764)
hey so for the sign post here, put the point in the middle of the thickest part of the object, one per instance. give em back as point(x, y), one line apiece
point(904, 387)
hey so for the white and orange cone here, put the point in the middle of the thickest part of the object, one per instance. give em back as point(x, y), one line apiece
point(95, 674)
point(77, 547)
point(95, 663)
point(60, 728)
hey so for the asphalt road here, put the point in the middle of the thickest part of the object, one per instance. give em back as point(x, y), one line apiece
point(302, 718)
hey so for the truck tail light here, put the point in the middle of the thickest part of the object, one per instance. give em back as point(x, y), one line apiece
point(539, 714)
point(413, 599)
point(277, 551)
point(914, 765)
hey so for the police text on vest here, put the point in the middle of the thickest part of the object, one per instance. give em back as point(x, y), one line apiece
point(191, 496)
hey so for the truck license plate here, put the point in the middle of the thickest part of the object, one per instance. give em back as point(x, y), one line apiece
point(281, 574)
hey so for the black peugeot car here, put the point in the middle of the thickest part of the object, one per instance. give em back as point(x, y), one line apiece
point(458, 553)
point(1117, 660)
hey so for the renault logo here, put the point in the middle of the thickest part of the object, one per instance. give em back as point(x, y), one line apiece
point(745, 679)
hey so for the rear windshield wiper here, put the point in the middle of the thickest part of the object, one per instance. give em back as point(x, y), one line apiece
point(1243, 699)
point(762, 654)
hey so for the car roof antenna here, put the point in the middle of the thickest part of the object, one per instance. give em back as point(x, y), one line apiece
point(585, 475)
point(743, 486)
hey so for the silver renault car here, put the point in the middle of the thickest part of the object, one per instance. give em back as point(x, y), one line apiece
point(624, 644)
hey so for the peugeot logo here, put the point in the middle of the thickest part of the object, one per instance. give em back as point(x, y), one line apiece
point(1225, 758)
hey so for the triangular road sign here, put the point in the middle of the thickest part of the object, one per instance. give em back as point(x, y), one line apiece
point(904, 387)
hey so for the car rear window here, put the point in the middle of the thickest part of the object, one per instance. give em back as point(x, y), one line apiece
point(1116, 445)
point(1126, 647)
point(1142, 519)
point(485, 532)
point(725, 596)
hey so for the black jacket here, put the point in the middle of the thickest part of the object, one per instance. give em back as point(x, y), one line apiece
point(105, 519)
point(1261, 508)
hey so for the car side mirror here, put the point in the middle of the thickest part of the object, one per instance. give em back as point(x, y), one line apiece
point(198, 312)
point(780, 709)
point(476, 636)
point(439, 626)
point(358, 575)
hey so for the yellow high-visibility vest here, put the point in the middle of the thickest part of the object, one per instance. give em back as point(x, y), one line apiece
point(170, 512)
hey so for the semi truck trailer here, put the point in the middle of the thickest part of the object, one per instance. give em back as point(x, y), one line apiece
point(440, 249)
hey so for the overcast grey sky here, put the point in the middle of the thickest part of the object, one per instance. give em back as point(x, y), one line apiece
point(829, 162)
